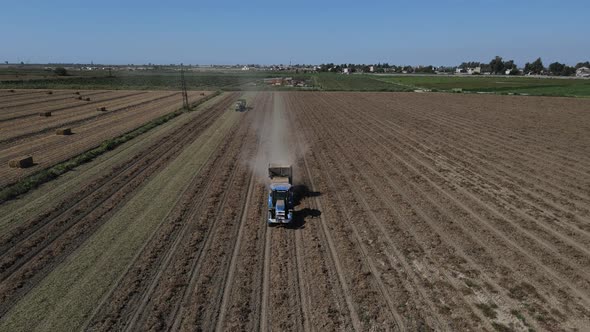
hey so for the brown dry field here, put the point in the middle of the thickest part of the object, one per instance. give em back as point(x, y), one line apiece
point(23, 132)
point(416, 212)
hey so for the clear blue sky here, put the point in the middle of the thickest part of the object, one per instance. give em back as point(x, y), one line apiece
point(220, 32)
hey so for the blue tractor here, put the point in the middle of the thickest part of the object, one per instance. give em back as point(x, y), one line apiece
point(280, 195)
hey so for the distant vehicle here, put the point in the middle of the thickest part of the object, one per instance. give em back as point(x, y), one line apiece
point(280, 195)
point(241, 105)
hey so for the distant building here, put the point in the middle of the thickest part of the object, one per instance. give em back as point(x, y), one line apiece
point(346, 71)
point(476, 70)
point(583, 72)
point(245, 68)
point(372, 69)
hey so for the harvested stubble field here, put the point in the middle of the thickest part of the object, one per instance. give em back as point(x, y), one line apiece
point(415, 212)
point(24, 132)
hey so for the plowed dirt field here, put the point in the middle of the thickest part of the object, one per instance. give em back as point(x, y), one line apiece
point(415, 212)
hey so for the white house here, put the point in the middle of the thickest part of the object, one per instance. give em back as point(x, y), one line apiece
point(583, 72)
point(346, 71)
point(372, 69)
point(476, 70)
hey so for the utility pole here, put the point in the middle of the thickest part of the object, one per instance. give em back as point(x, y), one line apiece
point(183, 87)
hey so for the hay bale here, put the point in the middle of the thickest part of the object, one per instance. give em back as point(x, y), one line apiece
point(49, 92)
point(21, 162)
point(77, 92)
point(87, 98)
point(202, 93)
point(101, 109)
point(11, 90)
point(45, 114)
point(63, 131)
point(79, 97)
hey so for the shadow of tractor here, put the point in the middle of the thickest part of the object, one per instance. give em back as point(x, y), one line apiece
point(300, 217)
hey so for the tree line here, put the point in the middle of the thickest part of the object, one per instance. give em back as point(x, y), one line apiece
point(497, 66)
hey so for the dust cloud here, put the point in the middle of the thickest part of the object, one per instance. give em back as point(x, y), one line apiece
point(275, 135)
point(280, 151)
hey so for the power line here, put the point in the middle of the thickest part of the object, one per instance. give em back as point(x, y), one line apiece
point(183, 87)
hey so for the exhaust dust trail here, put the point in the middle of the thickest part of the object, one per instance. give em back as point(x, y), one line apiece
point(279, 150)
point(274, 132)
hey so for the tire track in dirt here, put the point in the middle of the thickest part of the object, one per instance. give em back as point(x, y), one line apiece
point(281, 297)
point(535, 205)
point(23, 232)
point(407, 247)
point(464, 128)
point(166, 263)
point(232, 265)
point(243, 277)
point(248, 305)
point(478, 123)
point(377, 142)
point(526, 211)
point(38, 250)
point(376, 225)
point(515, 215)
point(505, 219)
point(145, 271)
point(177, 279)
point(474, 140)
point(204, 299)
point(334, 256)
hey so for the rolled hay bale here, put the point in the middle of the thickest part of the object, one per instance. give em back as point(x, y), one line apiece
point(21, 162)
point(11, 90)
point(77, 93)
point(87, 98)
point(45, 114)
point(49, 92)
point(79, 97)
point(63, 131)
point(202, 93)
point(101, 109)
